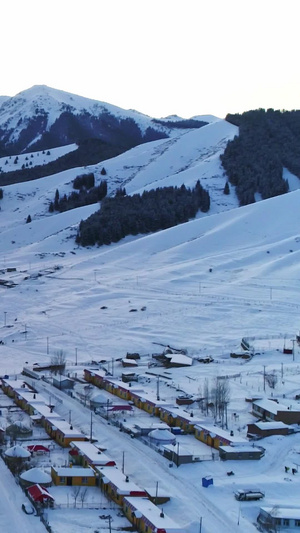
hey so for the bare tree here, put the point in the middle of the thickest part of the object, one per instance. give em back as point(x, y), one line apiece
point(221, 397)
point(206, 395)
point(75, 494)
point(58, 362)
point(87, 393)
point(271, 379)
point(82, 495)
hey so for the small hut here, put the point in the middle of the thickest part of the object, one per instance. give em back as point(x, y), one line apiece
point(17, 452)
point(161, 437)
point(39, 494)
point(16, 457)
point(35, 476)
point(19, 429)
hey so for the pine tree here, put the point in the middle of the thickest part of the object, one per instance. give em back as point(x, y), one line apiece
point(56, 199)
point(226, 188)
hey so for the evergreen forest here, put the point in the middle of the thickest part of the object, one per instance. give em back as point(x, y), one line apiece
point(268, 141)
point(154, 210)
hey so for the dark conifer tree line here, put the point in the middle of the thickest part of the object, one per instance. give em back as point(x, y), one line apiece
point(89, 152)
point(254, 160)
point(181, 123)
point(154, 210)
point(87, 194)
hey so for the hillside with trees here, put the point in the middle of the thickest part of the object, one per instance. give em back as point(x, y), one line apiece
point(89, 152)
point(86, 193)
point(152, 211)
point(254, 160)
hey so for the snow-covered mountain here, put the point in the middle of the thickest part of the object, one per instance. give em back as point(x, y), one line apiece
point(201, 286)
point(174, 161)
point(42, 117)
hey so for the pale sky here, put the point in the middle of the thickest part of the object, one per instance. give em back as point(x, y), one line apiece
point(160, 57)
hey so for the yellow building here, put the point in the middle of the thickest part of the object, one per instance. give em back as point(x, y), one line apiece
point(75, 476)
point(215, 437)
point(148, 518)
point(117, 485)
point(63, 432)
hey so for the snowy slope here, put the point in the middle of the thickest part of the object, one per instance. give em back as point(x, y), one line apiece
point(183, 159)
point(16, 161)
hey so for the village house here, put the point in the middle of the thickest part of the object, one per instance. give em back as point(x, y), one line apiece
point(95, 377)
point(63, 382)
point(11, 386)
point(39, 494)
point(215, 437)
point(177, 360)
point(42, 412)
point(117, 485)
point(87, 454)
point(266, 429)
point(272, 410)
point(136, 394)
point(121, 389)
point(147, 518)
point(177, 417)
point(73, 476)
point(275, 518)
point(142, 429)
point(230, 453)
point(180, 454)
point(27, 400)
point(147, 401)
point(63, 432)
point(129, 363)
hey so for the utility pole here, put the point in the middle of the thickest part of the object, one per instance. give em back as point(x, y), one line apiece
point(200, 525)
point(91, 430)
point(264, 378)
point(157, 393)
point(156, 493)
point(75, 356)
point(123, 462)
point(293, 341)
point(109, 523)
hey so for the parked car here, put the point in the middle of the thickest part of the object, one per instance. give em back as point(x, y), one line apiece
point(249, 494)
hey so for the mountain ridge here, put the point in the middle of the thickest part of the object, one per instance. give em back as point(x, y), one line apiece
point(42, 117)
